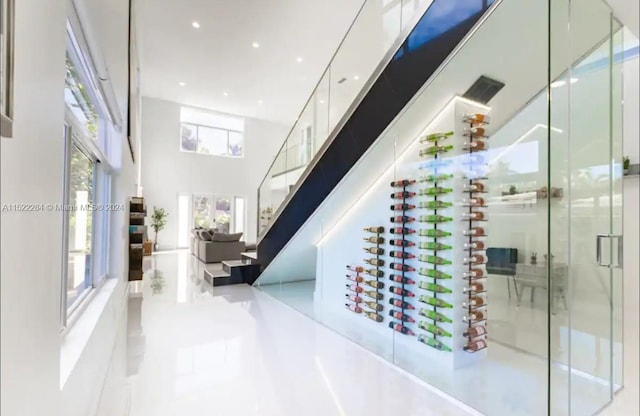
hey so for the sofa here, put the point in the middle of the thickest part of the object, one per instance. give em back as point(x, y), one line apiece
point(210, 246)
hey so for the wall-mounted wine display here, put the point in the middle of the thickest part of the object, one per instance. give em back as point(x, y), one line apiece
point(402, 283)
point(375, 286)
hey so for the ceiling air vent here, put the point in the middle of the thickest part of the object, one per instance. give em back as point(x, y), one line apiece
point(483, 90)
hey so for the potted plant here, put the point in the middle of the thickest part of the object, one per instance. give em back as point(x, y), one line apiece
point(158, 222)
point(626, 164)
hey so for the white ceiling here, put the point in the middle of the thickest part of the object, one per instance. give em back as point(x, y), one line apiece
point(218, 58)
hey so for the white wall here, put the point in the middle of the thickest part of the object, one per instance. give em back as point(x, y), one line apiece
point(31, 242)
point(166, 171)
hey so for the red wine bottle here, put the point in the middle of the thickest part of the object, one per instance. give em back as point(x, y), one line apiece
point(401, 230)
point(353, 308)
point(402, 267)
point(403, 182)
point(355, 288)
point(401, 304)
point(357, 279)
point(402, 243)
point(403, 219)
point(475, 331)
point(402, 207)
point(402, 292)
point(401, 316)
point(405, 280)
point(400, 328)
point(354, 298)
point(402, 195)
point(357, 269)
point(401, 255)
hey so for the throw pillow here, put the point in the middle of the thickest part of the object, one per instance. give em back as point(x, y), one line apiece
point(226, 238)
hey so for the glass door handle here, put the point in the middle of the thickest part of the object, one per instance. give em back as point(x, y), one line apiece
point(620, 256)
point(620, 251)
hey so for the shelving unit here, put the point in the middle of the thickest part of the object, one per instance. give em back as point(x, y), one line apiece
point(137, 232)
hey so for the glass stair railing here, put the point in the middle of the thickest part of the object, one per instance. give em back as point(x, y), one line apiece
point(373, 37)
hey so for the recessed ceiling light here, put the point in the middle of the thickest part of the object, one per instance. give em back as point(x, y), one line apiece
point(226, 94)
point(195, 24)
point(299, 59)
point(356, 77)
point(260, 102)
point(321, 101)
point(255, 45)
point(182, 84)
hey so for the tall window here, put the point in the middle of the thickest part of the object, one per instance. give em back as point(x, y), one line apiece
point(225, 214)
point(210, 133)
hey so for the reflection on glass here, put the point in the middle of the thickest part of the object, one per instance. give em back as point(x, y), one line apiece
point(78, 100)
point(222, 214)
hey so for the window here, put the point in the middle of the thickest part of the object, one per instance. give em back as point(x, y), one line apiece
point(183, 221)
point(226, 214)
point(210, 133)
point(238, 214)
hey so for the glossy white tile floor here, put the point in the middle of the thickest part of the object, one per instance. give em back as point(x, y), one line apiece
point(195, 350)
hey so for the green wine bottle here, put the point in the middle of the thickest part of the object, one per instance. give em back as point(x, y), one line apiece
point(434, 287)
point(436, 274)
point(430, 232)
point(434, 302)
point(434, 329)
point(436, 316)
point(432, 342)
point(435, 178)
point(435, 204)
point(434, 150)
point(430, 245)
point(435, 190)
point(434, 219)
point(434, 137)
point(433, 259)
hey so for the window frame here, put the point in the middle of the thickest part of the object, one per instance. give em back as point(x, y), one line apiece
point(198, 126)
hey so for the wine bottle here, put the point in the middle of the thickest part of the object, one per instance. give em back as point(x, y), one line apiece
point(375, 284)
point(374, 272)
point(402, 267)
point(402, 207)
point(373, 294)
point(402, 195)
point(401, 316)
point(355, 288)
point(434, 137)
point(435, 178)
point(357, 279)
point(475, 331)
point(402, 219)
point(430, 232)
point(374, 316)
point(475, 316)
point(403, 182)
point(433, 259)
point(474, 245)
point(402, 292)
point(353, 308)
point(474, 302)
point(474, 287)
point(475, 132)
point(478, 231)
point(434, 343)
point(475, 273)
point(475, 346)
point(377, 230)
point(473, 187)
point(434, 329)
point(436, 190)
point(353, 298)
point(401, 230)
point(435, 204)
point(473, 215)
point(375, 262)
point(436, 274)
point(401, 304)
point(434, 219)
point(434, 150)
point(357, 269)
point(435, 163)
point(473, 202)
point(436, 316)
point(402, 243)
point(375, 306)
point(400, 328)
point(374, 240)
point(474, 259)
point(434, 287)
point(476, 118)
point(401, 255)
point(398, 278)
point(474, 146)
point(374, 250)
point(435, 302)
point(430, 245)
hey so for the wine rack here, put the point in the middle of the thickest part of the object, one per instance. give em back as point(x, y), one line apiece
point(399, 253)
point(474, 217)
point(435, 302)
point(375, 283)
point(354, 289)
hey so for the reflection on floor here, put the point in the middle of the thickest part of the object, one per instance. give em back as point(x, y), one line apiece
point(195, 350)
point(513, 381)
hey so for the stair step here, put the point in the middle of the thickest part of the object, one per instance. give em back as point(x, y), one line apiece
point(220, 278)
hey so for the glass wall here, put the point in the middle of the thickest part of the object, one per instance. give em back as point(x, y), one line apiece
point(470, 241)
